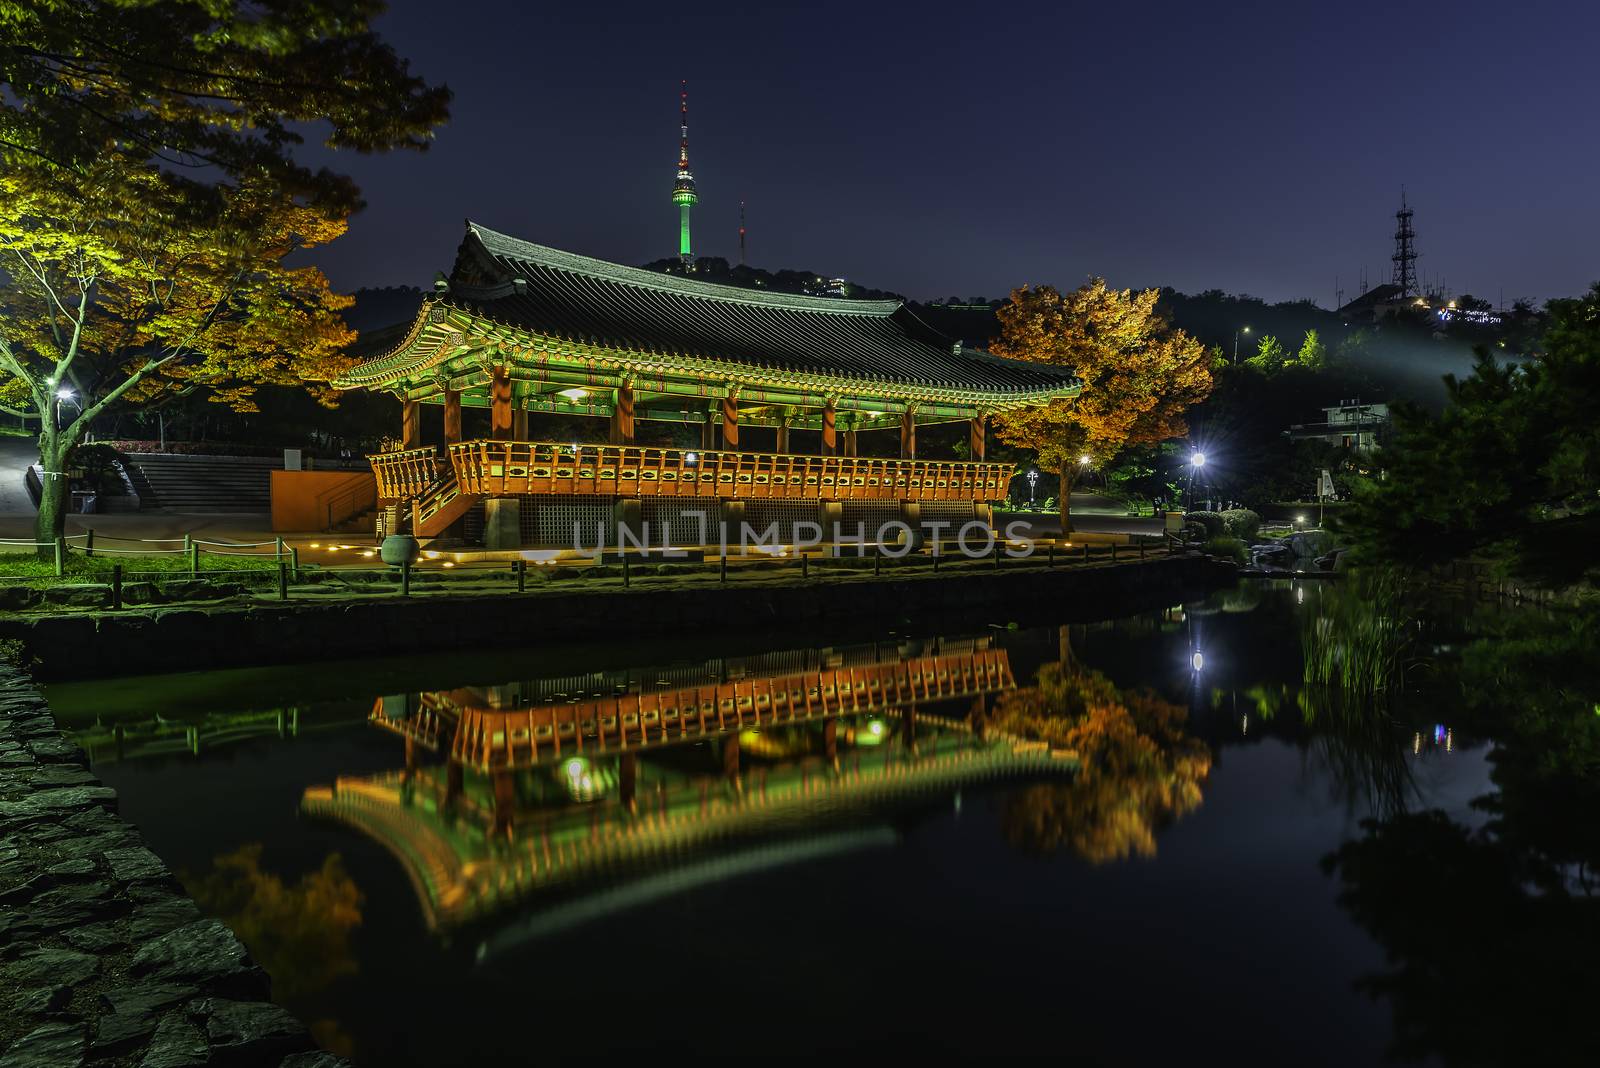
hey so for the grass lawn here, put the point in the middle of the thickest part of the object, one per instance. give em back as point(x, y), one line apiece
point(26, 568)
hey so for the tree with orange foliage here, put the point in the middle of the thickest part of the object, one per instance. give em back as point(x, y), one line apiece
point(1137, 767)
point(1139, 376)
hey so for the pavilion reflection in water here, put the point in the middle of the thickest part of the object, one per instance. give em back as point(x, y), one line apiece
point(511, 790)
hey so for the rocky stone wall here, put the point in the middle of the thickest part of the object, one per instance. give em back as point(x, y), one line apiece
point(88, 645)
point(104, 960)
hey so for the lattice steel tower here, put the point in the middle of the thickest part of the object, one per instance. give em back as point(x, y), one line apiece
point(1405, 253)
point(683, 193)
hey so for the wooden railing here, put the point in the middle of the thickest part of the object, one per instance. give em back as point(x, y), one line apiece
point(510, 738)
point(508, 468)
point(404, 475)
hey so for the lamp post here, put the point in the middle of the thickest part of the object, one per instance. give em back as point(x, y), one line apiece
point(1236, 333)
point(1033, 481)
point(1197, 460)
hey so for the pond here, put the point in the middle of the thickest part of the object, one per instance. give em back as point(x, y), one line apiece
point(1126, 841)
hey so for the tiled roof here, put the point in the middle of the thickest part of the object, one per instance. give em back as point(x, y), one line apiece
point(575, 298)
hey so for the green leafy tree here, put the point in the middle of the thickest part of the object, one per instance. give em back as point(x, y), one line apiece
point(1313, 354)
point(1269, 355)
point(1510, 470)
point(150, 198)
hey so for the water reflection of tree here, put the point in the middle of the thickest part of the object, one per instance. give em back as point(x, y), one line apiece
point(1138, 770)
point(300, 934)
point(1492, 932)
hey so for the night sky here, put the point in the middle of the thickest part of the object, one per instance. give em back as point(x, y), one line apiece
point(963, 150)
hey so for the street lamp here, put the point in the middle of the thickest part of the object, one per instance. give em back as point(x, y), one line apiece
point(1236, 333)
point(1033, 481)
point(1197, 460)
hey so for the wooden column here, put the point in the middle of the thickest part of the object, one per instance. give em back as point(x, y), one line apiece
point(622, 416)
point(708, 430)
point(781, 444)
point(976, 432)
point(830, 739)
point(410, 424)
point(850, 441)
point(519, 424)
point(730, 422)
point(628, 780)
point(908, 433)
point(505, 800)
point(452, 416)
point(500, 405)
point(830, 430)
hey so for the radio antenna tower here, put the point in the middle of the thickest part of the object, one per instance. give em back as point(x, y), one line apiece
point(741, 233)
point(1405, 252)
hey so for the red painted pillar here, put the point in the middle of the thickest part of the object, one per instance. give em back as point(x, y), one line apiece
point(908, 433)
point(730, 423)
point(976, 437)
point(452, 416)
point(622, 416)
point(500, 405)
point(410, 424)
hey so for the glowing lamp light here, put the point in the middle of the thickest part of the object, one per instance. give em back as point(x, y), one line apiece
point(63, 393)
point(575, 394)
point(1084, 460)
point(1198, 660)
point(692, 458)
point(1198, 459)
point(576, 767)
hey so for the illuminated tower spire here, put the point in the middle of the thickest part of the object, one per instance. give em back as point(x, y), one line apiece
point(683, 189)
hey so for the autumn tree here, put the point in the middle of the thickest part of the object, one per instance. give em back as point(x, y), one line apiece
point(1139, 375)
point(150, 200)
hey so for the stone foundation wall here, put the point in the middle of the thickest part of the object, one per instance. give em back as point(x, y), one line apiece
point(88, 645)
point(104, 960)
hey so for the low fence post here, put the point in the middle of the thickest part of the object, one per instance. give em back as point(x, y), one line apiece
point(88, 542)
point(405, 578)
point(877, 562)
point(1086, 552)
point(723, 564)
point(194, 559)
point(1113, 552)
point(522, 576)
point(283, 581)
point(61, 556)
point(627, 570)
point(997, 554)
point(277, 548)
point(294, 563)
point(116, 585)
point(805, 566)
point(1050, 555)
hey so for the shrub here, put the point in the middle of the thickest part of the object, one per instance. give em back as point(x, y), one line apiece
point(1212, 521)
point(1242, 523)
point(1227, 548)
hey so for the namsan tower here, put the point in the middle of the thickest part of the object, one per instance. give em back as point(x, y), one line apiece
point(683, 193)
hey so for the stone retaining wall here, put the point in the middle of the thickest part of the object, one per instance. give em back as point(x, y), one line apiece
point(88, 645)
point(104, 960)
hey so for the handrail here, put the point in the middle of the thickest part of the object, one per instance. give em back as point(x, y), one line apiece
point(504, 468)
point(404, 475)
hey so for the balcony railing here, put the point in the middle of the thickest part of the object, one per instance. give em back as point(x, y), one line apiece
point(404, 475)
point(509, 468)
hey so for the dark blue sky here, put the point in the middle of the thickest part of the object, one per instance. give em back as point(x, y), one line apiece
point(966, 149)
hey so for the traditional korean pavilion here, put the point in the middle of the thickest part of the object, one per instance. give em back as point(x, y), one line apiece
point(519, 328)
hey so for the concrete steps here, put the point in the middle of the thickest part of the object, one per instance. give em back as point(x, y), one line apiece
point(180, 483)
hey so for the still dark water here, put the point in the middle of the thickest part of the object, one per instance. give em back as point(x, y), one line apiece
point(918, 882)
